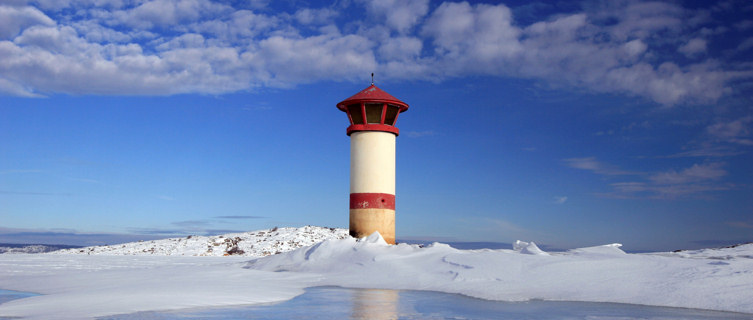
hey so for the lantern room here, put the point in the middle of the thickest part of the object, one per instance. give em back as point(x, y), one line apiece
point(372, 109)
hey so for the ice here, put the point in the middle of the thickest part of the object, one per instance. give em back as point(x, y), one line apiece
point(8, 295)
point(81, 286)
point(528, 248)
point(380, 304)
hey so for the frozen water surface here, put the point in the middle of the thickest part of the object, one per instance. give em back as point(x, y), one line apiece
point(8, 295)
point(344, 303)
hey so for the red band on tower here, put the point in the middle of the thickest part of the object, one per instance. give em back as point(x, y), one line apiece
point(372, 127)
point(372, 201)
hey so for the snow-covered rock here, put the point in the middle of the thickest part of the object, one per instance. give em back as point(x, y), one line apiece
point(258, 243)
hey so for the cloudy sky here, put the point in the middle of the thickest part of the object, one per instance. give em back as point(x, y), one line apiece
point(569, 124)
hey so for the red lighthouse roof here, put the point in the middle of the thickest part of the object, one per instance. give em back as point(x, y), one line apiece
point(373, 94)
point(372, 109)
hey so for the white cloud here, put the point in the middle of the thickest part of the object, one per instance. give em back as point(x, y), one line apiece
point(707, 150)
point(257, 4)
point(166, 13)
point(41, 57)
point(573, 50)
point(309, 16)
point(135, 47)
point(736, 131)
point(185, 41)
point(54, 5)
point(672, 191)
point(552, 50)
point(473, 39)
point(238, 26)
point(740, 224)
point(16, 89)
point(400, 48)
point(15, 19)
point(697, 180)
point(639, 20)
point(315, 58)
point(693, 48)
point(722, 138)
point(744, 25)
point(591, 164)
point(94, 32)
point(52, 39)
point(635, 48)
point(560, 199)
point(745, 44)
point(398, 15)
point(696, 173)
point(60, 61)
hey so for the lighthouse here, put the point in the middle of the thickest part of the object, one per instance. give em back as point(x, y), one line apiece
point(372, 114)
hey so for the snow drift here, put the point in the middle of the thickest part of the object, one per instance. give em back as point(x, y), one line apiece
point(597, 274)
point(78, 286)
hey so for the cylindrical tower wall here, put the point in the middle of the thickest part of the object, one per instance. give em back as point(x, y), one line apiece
point(372, 162)
point(372, 184)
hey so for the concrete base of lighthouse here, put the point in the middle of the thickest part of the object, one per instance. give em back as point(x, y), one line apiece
point(363, 222)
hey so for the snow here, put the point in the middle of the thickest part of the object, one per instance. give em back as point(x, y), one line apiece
point(252, 244)
point(79, 286)
point(528, 248)
point(597, 274)
point(31, 248)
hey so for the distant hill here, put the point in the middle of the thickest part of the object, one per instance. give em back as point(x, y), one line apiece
point(32, 248)
point(258, 243)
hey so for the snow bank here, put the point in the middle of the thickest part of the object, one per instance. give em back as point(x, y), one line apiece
point(88, 286)
point(598, 274)
point(258, 243)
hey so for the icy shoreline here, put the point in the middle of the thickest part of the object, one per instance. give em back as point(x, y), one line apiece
point(77, 286)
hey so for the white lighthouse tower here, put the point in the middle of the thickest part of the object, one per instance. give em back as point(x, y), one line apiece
point(372, 114)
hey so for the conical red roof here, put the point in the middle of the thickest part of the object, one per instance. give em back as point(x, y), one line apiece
point(372, 94)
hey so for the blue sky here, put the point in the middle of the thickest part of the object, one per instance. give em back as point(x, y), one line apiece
point(569, 124)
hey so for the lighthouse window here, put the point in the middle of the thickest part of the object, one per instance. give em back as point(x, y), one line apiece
point(373, 112)
point(355, 113)
point(390, 115)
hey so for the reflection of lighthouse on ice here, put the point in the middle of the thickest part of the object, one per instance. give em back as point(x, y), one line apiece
point(372, 114)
